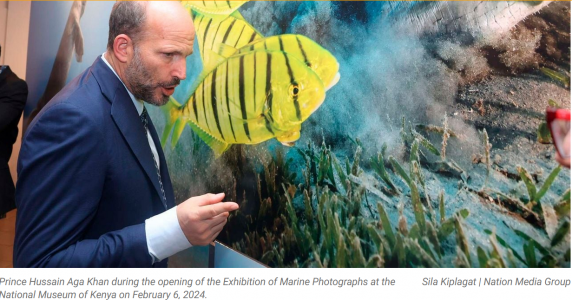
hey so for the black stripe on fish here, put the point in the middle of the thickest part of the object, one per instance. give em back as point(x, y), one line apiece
point(303, 52)
point(216, 5)
point(227, 102)
point(215, 34)
point(228, 3)
point(241, 96)
point(195, 107)
point(213, 100)
point(199, 20)
point(228, 31)
point(267, 122)
point(206, 33)
point(238, 39)
point(281, 46)
point(268, 90)
point(295, 97)
point(252, 37)
point(254, 84)
point(205, 107)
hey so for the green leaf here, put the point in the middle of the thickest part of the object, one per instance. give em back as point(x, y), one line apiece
point(563, 207)
point(426, 143)
point(536, 244)
point(379, 168)
point(375, 236)
point(547, 183)
point(505, 244)
point(553, 103)
point(527, 179)
point(339, 170)
point(547, 261)
point(414, 153)
point(543, 135)
point(399, 170)
point(557, 76)
point(529, 254)
point(386, 225)
point(462, 239)
point(560, 233)
point(399, 250)
point(418, 207)
point(483, 258)
point(414, 232)
point(433, 238)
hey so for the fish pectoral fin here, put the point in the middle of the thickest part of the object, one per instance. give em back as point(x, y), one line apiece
point(225, 50)
point(289, 138)
point(211, 60)
point(218, 147)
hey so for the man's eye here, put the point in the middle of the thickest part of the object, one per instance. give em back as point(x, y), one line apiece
point(168, 54)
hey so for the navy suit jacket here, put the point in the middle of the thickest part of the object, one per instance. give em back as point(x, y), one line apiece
point(87, 180)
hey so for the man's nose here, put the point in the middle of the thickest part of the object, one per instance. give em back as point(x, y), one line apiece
point(180, 69)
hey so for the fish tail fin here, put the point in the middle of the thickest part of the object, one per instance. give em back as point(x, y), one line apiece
point(172, 113)
point(218, 147)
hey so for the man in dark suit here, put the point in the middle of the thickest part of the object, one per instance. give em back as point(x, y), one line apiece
point(93, 187)
point(13, 94)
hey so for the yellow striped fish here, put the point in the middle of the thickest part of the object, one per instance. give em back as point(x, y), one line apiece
point(221, 37)
point(311, 53)
point(247, 99)
point(214, 7)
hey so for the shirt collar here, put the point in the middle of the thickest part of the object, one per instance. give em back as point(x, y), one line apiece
point(138, 103)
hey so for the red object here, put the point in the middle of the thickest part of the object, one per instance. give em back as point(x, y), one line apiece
point(558, 121)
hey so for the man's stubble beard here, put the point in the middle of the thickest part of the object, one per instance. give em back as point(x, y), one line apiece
point(142, 85)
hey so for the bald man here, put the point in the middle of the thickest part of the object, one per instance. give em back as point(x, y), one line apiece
point(93, 187)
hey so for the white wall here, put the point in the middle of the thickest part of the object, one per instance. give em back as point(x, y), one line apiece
point(14, 31)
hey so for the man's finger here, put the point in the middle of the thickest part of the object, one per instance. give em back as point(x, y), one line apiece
point(210, 211)
point(224, 215)
point(208, 199)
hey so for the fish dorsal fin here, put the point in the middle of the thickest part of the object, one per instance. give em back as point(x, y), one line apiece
point(217, 146)
point(215, 60)
point(237, 15)
point(222, 34)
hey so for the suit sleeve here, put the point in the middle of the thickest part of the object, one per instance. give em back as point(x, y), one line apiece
point(12, 102)
point(62, 171)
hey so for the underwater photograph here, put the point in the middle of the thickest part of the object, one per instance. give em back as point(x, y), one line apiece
point(359, 134)
point(377, 134)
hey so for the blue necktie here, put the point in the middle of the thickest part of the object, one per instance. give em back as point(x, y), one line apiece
point(145, 121)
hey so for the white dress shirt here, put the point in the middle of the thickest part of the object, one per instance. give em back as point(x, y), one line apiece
point(163, 232)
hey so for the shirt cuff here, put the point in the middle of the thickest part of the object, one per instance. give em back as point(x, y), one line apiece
point(164, 235)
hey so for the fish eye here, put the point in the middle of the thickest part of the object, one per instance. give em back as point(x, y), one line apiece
point(294, 90)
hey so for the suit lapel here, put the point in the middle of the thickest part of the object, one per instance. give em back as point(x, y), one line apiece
point(125, 116)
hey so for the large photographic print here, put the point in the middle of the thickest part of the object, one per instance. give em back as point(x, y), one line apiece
point(358, 134)
point(378, 134)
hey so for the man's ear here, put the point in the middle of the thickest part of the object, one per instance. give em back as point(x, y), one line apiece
point(123, 48)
